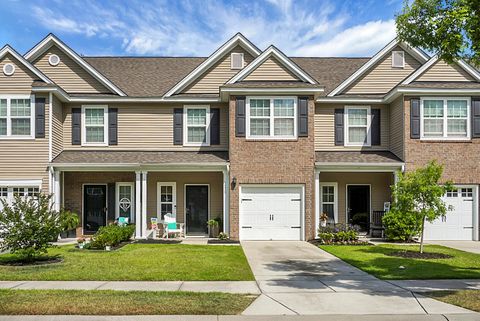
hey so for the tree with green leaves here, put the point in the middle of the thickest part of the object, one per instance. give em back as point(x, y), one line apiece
point(450, 28)
point(417, 198)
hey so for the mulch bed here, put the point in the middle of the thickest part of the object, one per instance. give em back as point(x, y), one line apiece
point(39, 261)
point(113, 248)
point(317, 242)
point(159, 241)
point(223, 242)
point(418, 255)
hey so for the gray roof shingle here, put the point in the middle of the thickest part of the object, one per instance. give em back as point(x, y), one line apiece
point(356, 157)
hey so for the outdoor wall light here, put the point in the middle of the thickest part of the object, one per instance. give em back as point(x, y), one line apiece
point(234, 182)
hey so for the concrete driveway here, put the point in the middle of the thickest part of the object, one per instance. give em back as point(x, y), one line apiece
point(467, 246)
point(300, 278)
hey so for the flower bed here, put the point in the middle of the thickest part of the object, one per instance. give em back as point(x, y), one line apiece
point(339, 234)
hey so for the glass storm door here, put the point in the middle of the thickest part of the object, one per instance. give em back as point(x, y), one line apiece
point(94, 207)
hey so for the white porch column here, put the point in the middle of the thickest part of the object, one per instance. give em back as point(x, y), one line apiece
point(317, 200)
point(226, 201)
point(57, 192)
point(144, 204)
point(138, 205)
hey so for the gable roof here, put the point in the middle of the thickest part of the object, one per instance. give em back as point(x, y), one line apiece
point(9, 50)
point(416, 53)
point(238, 39)
point(50, 40)
point(420, 71)
point(272, 51)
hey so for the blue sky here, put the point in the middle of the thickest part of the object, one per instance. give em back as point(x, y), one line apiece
point(197, 28)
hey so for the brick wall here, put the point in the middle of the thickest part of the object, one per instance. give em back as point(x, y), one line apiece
point(272, 162)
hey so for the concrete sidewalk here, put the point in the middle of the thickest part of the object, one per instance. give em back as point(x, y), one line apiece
point(467, 246)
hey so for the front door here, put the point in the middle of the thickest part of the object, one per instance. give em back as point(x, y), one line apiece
point(358, 206)
point(196, 209)
point(94, 208)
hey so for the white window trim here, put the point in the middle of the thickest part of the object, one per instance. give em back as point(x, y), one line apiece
point(132, 205)
point(272, 119)
point(335, 200)
point(11, 184)
point(403, 60)
point(105, 125)
point(174, 199)
point(231, 60)
point(445, 137)
point(9, 135)
point(185, 125)
point(347, 127)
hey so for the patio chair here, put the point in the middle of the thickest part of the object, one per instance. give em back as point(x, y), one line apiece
point(170, 226)
point(377, 223)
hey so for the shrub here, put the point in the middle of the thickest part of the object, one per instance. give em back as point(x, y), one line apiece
point(401, 226)
point(338, 233)
point(111, 235)
point(28, 225)
point(223, 236)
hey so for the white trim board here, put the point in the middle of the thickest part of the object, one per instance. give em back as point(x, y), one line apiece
point(50, 40)
point(9, 50)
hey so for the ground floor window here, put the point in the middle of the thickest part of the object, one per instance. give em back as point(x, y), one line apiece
point(125, 201)
point(166, 200)
point(328, 201)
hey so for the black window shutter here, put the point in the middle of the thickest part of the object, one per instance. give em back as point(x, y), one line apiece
point(214, 126)
point(76, 126)
point(111, 202)
point(339, 133)
point(415, 118)
point(476, 117)
point(240, 116)
point(178, 126)
point(375, 127)
point(303, 116)
point(113, 126)
point(40, 117)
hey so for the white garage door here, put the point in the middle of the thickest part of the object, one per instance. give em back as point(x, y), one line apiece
point(271, 213)
point(458, 223)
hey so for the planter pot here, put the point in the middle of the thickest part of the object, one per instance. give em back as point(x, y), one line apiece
point(108, 248)
point(214, 230)
point(80, 245)
point(323, 223)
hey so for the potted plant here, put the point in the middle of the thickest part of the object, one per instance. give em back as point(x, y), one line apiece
point(81, 242)
point(223, 236)
point(213, 227)
point(323, 219)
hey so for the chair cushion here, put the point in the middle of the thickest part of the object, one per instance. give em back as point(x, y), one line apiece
point(172, 226)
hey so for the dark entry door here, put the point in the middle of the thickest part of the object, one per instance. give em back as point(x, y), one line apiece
point(196, 209)
point(358, 206)
point(94, 207)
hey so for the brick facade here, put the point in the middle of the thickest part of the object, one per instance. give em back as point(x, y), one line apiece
point(272, 162)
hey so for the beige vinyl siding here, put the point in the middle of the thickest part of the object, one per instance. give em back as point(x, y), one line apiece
point(214, 179)
point(218, 74)
point(382, 77)
point(57, 125)
point(380, 188)
point(271, 70)
point(18, 83)
point(26, 159)
point(325, 128)
point(397, 121)
point(146, 127)
point(442, 71)
point(68, 74)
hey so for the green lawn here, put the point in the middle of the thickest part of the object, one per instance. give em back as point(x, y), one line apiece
point(468, 299)
point(374, 260)
point(141, 262)
point(68, 302)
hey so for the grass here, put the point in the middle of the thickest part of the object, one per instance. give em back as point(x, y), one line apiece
point(375, 260)
point(468, 299)
point(138, 262)
point(81, 302)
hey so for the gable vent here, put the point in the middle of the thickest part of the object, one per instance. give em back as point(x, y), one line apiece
point(53, 60)
point(8, 69)
point(398, 59)
point(236, 60)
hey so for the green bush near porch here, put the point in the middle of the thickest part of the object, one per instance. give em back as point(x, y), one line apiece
point(138, 262)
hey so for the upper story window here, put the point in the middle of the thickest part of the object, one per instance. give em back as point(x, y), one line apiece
point(398, 59)
point(236, 60)
point(16, 116)
point(197, 123)
point(271, 117)
point(357, 126)
point(445, 118)
point(94, 122)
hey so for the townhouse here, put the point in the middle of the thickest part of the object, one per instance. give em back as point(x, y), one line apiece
point(261, 141)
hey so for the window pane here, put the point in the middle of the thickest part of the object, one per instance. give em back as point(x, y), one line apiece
point(327, 194)
point(197, 134)
point(328, 209)
point(433, 127)
point(125, 200)
point(283, 107)
point(166, 194)
point(3, 126)
point(357, 117)
point(433, 108)
point(3, 107)
point(457, 127)
point(283, 127)
point(165, 209)
point(196, 116)
point(94, 116)
point(94, 134)
point(259, 127)
point(456, 108)
point(357, 135)
point(259, 107)
point(21, 126)
point(20, 107)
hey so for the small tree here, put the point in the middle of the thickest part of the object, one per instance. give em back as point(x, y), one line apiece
point(28, 225)
point(417, 197)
